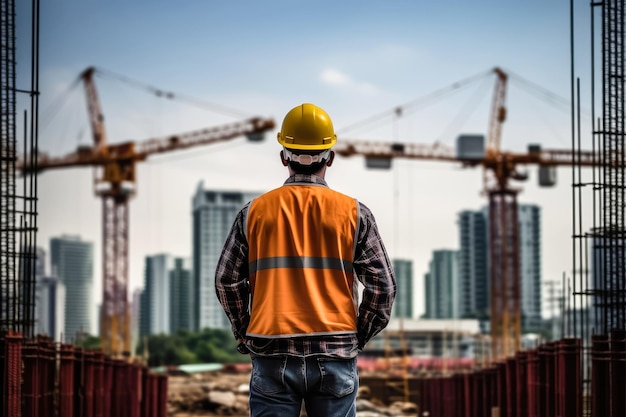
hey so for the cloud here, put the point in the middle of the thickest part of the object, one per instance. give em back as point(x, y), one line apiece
point(335, 77)
point(332, 76)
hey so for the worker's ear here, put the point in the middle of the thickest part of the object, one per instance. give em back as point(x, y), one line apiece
point(330, 159)
point(283, 160)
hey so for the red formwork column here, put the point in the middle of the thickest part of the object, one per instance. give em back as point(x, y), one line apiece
point(476, 379)
point(618, 373)
point(79, 394)
point(511, 387)
point(432, 393)
point(500, 387)
point(47, 375)
point(521, 391)
point(3, 372)
point(143, 370)
point(600, 376)
point(84, 383)
point(153, 395)
point(451, 396)
point(532, 383)
point(31, 378)
point(435, 399)
point(467, 394)
point(570, 381)
point(487, 391)
point(134, 389)
point(99, 382)
point(455, 396)
point(145, 389)
point(162, 394)
point(447, 396)
point(427, 395)
point(417, 389)
point(548, 371)
point(119, 389)
point(38, 383)
point(107, 377)
point(491, 388)
point(11, 376)
point(122, 384)
point(456, 383)
point(88, 383)
point(542, 384)
point(66, 381)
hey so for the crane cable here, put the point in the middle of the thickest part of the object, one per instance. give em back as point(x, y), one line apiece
point(542, 93)
point(468, 109)
point(412, 105)
point(218, 108)
point(57, 105)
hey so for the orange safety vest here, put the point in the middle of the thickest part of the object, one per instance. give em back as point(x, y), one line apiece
point(302, 241)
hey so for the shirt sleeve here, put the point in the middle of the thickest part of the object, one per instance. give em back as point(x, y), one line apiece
point(231, 277)
point(375, 272)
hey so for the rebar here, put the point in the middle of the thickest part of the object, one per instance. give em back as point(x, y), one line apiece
point(18, 212)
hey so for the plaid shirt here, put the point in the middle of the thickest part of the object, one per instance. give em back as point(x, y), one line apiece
point(371, 266)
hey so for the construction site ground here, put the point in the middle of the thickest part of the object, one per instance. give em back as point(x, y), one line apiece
point(225, 393)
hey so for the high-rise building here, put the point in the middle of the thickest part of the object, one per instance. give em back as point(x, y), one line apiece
point(473, 265)
point(403, 304)
point(71, 262)
point(441, 284)
point(135, 317)
point(155, 300)
point(180, 295)
point(213, 215)
point(50, 307)
point(529, 220)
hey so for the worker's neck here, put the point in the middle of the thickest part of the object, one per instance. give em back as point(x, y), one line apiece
point(321, 173)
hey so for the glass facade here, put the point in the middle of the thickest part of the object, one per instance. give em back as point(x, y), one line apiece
point(442, 286)
point(403, 304)
point(213, 215)
point(72, 263)
point(474, 265)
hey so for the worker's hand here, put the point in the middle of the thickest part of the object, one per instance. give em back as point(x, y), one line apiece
point(242, 348)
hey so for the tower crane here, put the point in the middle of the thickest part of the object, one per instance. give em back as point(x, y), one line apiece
point(115, 185)
point(499, 168)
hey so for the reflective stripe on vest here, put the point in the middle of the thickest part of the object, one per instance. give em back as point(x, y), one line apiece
point(301, 248)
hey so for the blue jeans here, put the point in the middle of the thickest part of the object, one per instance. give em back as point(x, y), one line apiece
point(279, 385)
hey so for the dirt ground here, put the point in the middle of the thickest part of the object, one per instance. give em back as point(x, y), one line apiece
point(225, 393)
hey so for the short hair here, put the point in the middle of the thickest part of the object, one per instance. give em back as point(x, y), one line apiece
point(306, 169)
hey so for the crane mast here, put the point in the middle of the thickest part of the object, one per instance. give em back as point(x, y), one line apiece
point(114, 183)
point(504, 253)
point(109, 185)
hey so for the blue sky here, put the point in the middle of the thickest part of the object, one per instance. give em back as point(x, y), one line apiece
point(356, 59)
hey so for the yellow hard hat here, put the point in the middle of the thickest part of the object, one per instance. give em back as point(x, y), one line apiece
point(307, 127)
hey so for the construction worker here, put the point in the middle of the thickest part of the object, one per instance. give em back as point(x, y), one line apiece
point(288, 281)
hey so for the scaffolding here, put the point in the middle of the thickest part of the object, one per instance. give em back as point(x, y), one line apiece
point(18, 205)
point(595, 296)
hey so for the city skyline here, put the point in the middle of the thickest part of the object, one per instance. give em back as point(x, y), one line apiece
point(225, 204)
